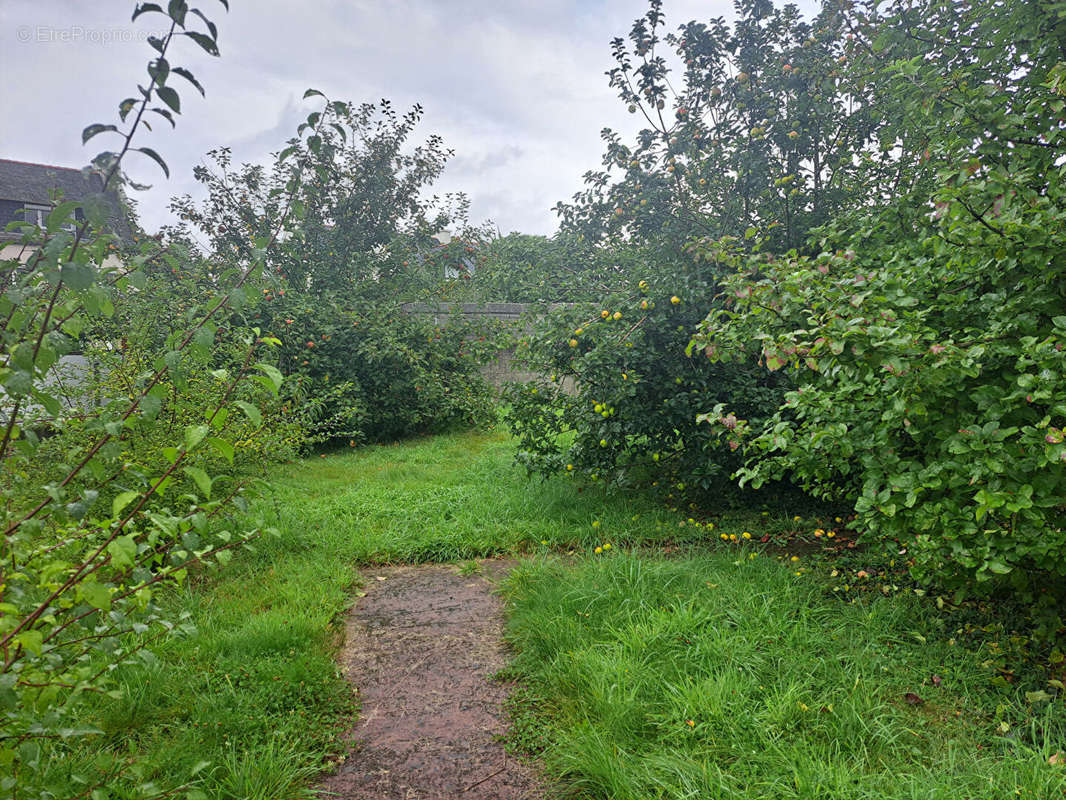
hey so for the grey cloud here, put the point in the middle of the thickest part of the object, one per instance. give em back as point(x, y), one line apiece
point(517, 89)
point(476, 163)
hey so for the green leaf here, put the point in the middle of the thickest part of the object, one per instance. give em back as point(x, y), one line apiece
point(177, 9)
point(73, 327)
point(144, 8)
point(121, 501)
point(78, 277)
point(8, 697)
point(273, 374)
point(204, 339)
point(95, 594)
point(194, 434)
point(61, 215)
point(222, 447)
point(211, 27)
point(158, 159)
point(1039, 696)
point(125, 107)
point(189, 77)
point(150, 406)
point(774, 362)
point(123, 551)
point(31, 640)
point(170, 97)
point(94, 130)
point(159, 69)
point(202, 479)
point(199, 767)
point(251, 412)
point(165, 115)
point(209, 45)
point(50, 403)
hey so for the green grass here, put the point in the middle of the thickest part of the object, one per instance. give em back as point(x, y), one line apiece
point(251, 705)
point(455, 497)
point(255, 692)
point(723, 677)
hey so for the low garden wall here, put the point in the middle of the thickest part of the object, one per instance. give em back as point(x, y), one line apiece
point(501, 370)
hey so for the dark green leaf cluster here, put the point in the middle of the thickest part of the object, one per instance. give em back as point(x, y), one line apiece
point(124, 415)
point(367, 370)
point(927, 339)
point(620, 397)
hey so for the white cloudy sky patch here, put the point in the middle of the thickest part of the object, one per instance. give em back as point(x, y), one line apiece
point(517, 89)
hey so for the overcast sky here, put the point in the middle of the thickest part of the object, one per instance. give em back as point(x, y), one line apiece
point(515, 87)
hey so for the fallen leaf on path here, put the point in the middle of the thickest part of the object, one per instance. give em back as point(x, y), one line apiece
point(380, 577)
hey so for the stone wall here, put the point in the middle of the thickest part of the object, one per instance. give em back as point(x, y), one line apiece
point(500, 371)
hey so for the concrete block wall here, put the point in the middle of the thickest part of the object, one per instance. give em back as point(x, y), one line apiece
point(501, 370)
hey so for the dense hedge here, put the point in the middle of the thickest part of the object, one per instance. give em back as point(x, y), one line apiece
point(928, 338)
point(369, 371)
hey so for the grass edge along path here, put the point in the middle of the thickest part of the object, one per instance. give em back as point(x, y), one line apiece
point(717, 678)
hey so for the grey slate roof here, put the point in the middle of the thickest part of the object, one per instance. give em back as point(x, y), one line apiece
point(24, 182)
point(32, 183)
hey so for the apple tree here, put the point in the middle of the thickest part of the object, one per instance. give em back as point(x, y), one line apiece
point(928, 344)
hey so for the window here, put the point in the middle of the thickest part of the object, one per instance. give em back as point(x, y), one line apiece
point(38, 215)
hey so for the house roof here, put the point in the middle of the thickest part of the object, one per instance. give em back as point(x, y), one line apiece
point(26, 182)
point(33, 183)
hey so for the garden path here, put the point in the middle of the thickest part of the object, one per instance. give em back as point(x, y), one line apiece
point(421, 648)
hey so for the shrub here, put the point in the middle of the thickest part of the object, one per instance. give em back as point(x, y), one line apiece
point(379, 373)
point(362, 369)
point(105, 504)
point(929, 352)
point(626, 395)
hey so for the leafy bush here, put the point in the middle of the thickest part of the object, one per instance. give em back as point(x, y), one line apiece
point(362, 368)
point(929, 350)
point(378, 372)
point(760, 132)
point(626, 394)
point(134, 487)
